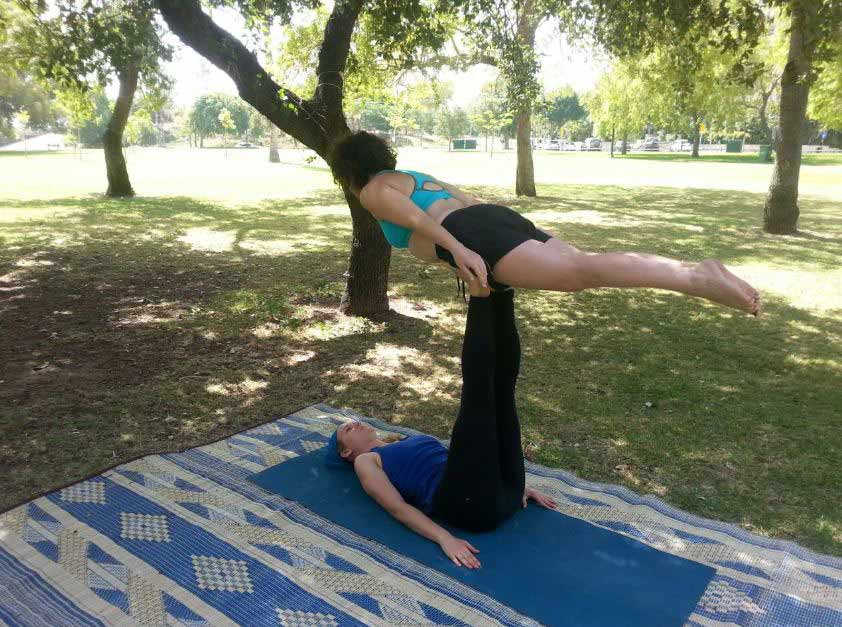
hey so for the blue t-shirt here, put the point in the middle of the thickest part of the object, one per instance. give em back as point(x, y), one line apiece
point(415, 466)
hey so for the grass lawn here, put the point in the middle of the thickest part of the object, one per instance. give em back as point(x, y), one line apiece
point(723, 157)
point(208, 304)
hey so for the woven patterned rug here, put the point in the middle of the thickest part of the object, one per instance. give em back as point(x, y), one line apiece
point(185, 539)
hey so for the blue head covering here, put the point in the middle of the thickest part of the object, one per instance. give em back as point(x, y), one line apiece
point(332, 457)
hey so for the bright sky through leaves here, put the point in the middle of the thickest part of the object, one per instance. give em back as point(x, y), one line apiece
point(561, 65)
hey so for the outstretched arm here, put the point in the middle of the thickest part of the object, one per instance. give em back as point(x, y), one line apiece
point(387, 203)
point(377, 486)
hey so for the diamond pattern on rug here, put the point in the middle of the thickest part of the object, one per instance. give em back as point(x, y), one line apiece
point(759, 582)
point(723, 598)
point(297, 618)
point(144, 527)
point(214, 573)
point(310, 446)
point(86, 492)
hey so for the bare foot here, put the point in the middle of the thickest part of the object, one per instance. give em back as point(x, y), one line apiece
point(713, 281)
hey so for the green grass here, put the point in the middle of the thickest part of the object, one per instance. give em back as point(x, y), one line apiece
point(722, 157)
point(155, 323)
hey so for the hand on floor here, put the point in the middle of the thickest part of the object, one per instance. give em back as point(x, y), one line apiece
point(542, 499)
point(461, 552)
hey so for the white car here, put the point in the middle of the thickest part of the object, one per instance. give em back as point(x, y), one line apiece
point(552, 144)
point(568, 145)
point(592, 143)
point(680, 145)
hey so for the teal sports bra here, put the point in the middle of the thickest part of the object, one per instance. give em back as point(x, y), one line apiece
point(398, 236)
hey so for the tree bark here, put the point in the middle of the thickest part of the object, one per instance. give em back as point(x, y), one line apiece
point(697, 135)
point(780, 213)
point(119, 185)
point(316, 122)
point(368, 267)
point(525, 178)
point(625, 148)
point(612, 141)
point(273, 145)
point(764, 104)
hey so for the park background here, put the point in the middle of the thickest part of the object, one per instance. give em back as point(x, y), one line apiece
point(213, 293)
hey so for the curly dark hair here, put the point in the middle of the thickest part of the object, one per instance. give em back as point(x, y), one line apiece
point(355, 158)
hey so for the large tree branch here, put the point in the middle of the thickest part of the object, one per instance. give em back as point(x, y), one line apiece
point(333, 56)
point(281, 106)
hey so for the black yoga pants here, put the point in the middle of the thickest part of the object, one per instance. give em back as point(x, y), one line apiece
point(484, 478)
point(491, 231)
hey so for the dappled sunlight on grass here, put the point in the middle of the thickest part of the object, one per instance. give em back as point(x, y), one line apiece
point(582, 216)
point(179, 319)
point(817, 290)
point(327, 324)
point(156, 313)
point(284, 246)
point(246, 387)
point(800, 360)
point(208, 240)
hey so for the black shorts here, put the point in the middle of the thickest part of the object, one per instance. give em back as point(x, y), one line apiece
point(491, 231)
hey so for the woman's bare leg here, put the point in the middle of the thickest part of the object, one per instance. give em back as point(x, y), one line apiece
point(557, 266)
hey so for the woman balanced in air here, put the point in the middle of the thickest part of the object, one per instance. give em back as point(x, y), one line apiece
point(480, 481)
point(495, 246)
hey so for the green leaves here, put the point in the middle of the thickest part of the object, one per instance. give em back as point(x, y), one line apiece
point(217, 114)
point(825, 105)
point(81, 43)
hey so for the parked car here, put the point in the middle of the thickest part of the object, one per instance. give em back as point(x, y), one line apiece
point(578, 145)
point(552, 144)
point(246, 145)
point(568, 145)
point(592, 143)
point(680, 144)
point(652, 145)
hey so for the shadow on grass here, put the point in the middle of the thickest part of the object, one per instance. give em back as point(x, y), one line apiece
point(126, 341)
point(684, 223)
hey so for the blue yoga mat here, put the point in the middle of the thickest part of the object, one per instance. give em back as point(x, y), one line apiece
point(554, 568)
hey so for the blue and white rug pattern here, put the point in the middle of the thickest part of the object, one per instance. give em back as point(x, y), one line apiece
point(185, 539)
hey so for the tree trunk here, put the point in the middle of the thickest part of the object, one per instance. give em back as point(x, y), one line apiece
point(525, 179)
point(780, 214)
point(764, 103)
point(112, 139)
point(625, 148)
point(368, 267)
point(697, 135)
point(612, 141)
point(316, 122)
point(273, 145)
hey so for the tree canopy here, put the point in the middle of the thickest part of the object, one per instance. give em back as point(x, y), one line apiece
point(825, 104)
point(619, 104)
point(205, 115)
